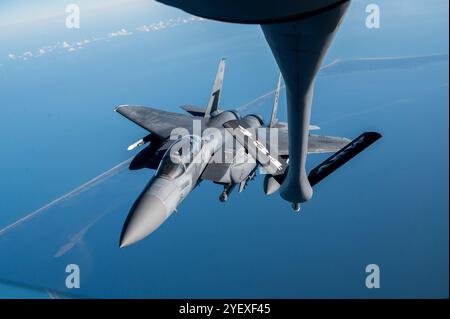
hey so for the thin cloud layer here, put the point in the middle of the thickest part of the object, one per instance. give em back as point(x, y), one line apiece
point(71, 47)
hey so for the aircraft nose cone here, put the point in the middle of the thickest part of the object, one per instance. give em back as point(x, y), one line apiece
point(146, 215)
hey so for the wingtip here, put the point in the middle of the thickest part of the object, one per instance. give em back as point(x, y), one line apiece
point(116, 109)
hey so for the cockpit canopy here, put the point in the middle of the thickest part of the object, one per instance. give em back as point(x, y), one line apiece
point(179, 156)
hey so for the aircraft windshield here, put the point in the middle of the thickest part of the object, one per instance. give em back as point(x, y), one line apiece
point(178, 157)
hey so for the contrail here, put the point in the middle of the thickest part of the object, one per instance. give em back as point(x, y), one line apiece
point(77, 238)
point(258, 99)
point(76, 191)
point(52, 294)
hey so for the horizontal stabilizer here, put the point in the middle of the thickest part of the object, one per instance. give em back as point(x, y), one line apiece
point(194, 110)
point(343, 156)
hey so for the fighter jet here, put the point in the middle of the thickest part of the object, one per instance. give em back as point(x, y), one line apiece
point(219, 145)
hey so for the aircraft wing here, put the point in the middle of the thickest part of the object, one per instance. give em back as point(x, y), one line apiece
point(158, 122)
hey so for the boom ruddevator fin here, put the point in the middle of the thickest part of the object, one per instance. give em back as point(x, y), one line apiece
point(342, 156)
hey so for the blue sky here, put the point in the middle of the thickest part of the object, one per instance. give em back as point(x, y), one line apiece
point(58, 131)
point(22, 11)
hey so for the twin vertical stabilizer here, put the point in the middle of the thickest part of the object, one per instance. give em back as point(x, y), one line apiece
point(213, 103)
point(273, 118)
